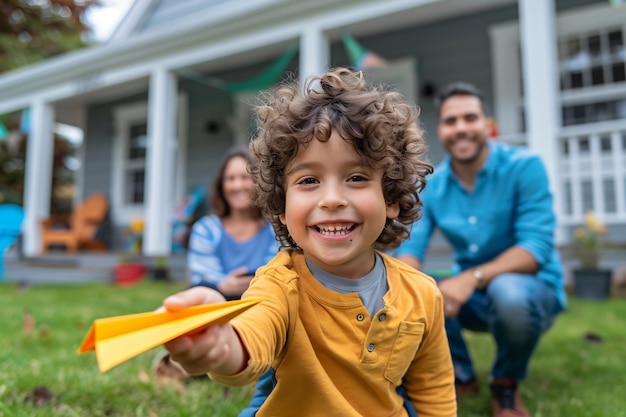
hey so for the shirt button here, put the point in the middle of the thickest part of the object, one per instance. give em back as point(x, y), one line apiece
point(472, 220)
point(473, 247)
point(382, 317)
point(360, 317)
point(370, 347)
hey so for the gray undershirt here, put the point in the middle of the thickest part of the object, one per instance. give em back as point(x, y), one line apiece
point(371, 288)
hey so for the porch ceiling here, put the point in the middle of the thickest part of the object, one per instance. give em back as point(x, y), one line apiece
point(210, 44)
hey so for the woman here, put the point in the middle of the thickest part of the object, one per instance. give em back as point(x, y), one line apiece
point(228, 245)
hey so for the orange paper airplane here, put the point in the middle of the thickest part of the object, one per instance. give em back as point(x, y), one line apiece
point(117, 339)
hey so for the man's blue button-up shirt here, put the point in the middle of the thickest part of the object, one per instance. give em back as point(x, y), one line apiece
point(510, 205)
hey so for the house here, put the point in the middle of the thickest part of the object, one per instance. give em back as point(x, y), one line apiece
point(172, 89)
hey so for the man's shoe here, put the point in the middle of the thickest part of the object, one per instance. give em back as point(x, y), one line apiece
point(466, 388)
point(506, 400)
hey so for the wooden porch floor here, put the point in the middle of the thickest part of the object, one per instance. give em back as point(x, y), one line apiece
point(61, 268)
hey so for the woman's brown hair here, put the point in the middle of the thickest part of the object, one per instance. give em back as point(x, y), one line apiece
point(219, 204)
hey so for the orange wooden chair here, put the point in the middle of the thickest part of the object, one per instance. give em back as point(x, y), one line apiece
point(79, 230)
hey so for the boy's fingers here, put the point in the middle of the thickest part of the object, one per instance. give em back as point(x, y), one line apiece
point(192, 297)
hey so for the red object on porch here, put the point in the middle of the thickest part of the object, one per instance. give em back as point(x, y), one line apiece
point(126, 275)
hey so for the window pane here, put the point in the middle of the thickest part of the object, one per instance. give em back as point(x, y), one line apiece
point(605, 144)
point(603, 111)
point(135, 186)
point(138, 141)
point(594, 112)
point(616, 44)
point(597, 75)
point(587, 195)
point(618, 73)
point(583, 145)
point(594, 46)
point(608, 186)
point(576, 79)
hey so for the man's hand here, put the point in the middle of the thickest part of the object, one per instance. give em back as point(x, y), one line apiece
point(456, 291)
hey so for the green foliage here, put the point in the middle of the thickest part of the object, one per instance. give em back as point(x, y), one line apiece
point(11, 173)
point(570, 376)
point(589, 240)
point(31, 31)
point(12, 167)
point(47, 357)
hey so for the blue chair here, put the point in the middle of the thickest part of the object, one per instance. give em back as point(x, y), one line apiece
point(184, 217)
point(11, 218)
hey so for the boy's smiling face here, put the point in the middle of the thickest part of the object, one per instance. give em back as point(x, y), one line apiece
point(335, 208)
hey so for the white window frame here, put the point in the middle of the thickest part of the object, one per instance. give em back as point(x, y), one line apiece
point(125, 116)
point(506, 65)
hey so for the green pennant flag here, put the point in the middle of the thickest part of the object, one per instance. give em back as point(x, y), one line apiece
point(355, 50)
point(260, 82)
point(361, 57)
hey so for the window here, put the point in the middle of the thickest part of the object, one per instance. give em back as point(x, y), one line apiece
point(592, 58)
point(591, 64)
point(135, 163)
point(129, 162)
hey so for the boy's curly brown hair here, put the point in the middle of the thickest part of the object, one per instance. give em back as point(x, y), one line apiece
point(380, 124)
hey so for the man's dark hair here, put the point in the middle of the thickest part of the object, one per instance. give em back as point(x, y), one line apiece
point(460, 88)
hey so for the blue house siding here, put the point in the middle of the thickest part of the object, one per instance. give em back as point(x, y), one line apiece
point(444, 51)
point(206, 144)
point(456, 49)
point(204, 148)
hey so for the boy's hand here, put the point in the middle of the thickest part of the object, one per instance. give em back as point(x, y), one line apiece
point(192, 297)
point(216, 348)
point(199, 353)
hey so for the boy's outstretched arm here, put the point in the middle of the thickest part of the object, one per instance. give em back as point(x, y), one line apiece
point(216, 348)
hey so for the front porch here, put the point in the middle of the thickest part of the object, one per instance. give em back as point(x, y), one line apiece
point(62, 268)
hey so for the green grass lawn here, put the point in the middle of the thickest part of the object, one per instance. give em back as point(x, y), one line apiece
point(569, 376)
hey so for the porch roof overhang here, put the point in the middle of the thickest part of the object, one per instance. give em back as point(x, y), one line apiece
point(238, 32)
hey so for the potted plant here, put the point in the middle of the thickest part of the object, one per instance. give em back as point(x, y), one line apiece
point(590, 281)
point(160, 271)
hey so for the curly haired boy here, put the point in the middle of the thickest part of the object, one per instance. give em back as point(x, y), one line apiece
point(346, 329)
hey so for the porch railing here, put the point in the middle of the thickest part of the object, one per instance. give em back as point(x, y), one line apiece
point(592, 168)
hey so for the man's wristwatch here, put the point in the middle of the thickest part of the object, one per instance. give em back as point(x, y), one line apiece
point(480, 278)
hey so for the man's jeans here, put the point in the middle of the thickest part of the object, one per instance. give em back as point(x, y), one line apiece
point(516, 309)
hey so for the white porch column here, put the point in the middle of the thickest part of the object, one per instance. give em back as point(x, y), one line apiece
point(161, 153)
point(314, 53)
point(38, 174)
point(541, 90)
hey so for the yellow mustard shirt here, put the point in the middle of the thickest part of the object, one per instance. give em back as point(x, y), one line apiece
point(331, 358)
